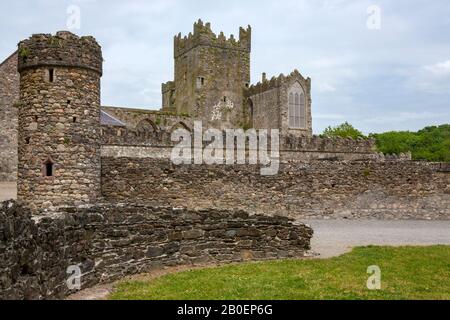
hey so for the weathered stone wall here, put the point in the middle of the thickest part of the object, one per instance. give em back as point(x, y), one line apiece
point(166, 121)
point(314, 189)
point(269, 101)
point(9, 95)
point(211, 73)
point(59, 120)
point(109, 242)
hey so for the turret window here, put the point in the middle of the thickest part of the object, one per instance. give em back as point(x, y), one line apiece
point(51, 75)
point(48, 168)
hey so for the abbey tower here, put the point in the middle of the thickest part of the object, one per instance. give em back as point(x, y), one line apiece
point(211, 75)
point(59, 120)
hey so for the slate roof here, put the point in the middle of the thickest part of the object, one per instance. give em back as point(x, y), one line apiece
point(109, 120)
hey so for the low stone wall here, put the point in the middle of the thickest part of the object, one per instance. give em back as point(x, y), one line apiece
point(111, 241)
point(314, 189)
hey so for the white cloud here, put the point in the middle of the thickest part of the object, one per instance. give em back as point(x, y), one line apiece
point(357, 75)
point(440, 68)
point(326, 87)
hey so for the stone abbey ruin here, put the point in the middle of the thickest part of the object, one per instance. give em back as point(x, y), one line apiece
point(97, 188)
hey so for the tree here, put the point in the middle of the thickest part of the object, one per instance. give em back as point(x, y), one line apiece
point(345, 130)
point(430, 143)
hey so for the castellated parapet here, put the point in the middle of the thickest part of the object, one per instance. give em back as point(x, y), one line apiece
point(211, 73)
point(276, 82)
point(283, 103)
point(64, 49)
point(59, 120)
point(203, 35)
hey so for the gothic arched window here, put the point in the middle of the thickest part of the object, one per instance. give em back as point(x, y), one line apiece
point(297, 107)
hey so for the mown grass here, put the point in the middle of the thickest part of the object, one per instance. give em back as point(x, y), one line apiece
point(407, 273)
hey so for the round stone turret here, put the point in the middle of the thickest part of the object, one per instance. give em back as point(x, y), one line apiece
point(59, 120)
point(64, 49)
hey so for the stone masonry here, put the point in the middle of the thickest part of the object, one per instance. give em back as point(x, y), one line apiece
point(111, 241)
point(211, 74)
point(319, 189)
point(59, 111)
point(97, 188)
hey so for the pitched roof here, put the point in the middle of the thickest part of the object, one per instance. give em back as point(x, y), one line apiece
point(7, 59)
point(109, 120)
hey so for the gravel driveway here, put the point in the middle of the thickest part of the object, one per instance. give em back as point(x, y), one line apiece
point(335, 237)
point(8, 191)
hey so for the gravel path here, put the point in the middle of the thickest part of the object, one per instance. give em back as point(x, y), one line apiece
point(8, 191)
point(335, 237)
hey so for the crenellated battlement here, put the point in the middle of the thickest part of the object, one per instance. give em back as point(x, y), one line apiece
point(169, 85)
point(327, 145)
point(203, 35)
point(64, 49)
point(276, 82)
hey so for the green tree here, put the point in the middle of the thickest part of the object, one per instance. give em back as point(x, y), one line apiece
point(345, 130)
point(430, 143)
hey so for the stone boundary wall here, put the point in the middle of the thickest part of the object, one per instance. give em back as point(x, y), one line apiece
point(164, 152)
point(111, 241)
point(314, 189)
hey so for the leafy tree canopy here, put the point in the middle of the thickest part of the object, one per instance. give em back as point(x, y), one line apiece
point(430, 143)
point(345, 130)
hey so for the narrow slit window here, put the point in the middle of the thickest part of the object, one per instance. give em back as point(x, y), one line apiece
point(48, 168)
point(51, 75)
point(74, 119)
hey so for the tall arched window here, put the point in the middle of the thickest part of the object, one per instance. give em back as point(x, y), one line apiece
point(297, 107)
point(302, 111)
point(291, 111)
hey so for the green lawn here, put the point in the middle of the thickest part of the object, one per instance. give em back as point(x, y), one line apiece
point(407, 273)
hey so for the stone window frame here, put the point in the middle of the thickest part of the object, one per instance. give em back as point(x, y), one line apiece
point(44, 164)
point(47, 75)
point(297, 107)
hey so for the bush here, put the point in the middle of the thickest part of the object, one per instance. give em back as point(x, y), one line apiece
point(345, 130)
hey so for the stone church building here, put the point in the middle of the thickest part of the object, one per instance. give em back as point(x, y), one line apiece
point(211, 84)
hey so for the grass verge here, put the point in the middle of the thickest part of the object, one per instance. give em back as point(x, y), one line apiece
point(406, 273)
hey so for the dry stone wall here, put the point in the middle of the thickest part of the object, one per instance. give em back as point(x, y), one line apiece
point(315, 189)
point(111, 241)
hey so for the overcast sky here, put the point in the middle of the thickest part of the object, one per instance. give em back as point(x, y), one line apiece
point(396, 77)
